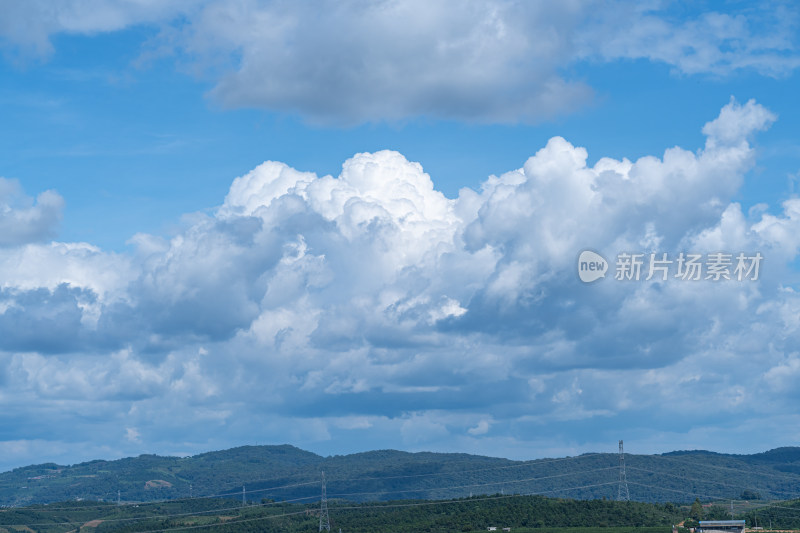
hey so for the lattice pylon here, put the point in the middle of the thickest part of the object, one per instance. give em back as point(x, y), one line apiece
point(324, 519)
point(622, 494)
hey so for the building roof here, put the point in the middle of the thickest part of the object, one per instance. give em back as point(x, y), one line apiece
point(721, 522)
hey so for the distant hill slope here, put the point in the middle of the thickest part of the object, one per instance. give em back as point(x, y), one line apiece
point(288, 473)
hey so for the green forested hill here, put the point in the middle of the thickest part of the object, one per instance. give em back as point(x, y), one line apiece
point(288, 473)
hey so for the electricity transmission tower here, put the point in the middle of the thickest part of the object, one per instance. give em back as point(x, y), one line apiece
point(324, 520)
point(622, 495)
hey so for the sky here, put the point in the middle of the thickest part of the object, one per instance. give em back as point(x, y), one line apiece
point(357, 225)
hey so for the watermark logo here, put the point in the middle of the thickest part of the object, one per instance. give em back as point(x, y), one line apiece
point(591, 266)
point(684, 266)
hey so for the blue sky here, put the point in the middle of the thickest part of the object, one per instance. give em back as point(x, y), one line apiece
point(354, 226)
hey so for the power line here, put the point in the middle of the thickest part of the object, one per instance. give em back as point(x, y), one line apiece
point(374, 506)
point(366, 507)
point(171, 515)
point(690, 493)
point(532, 463)
point(535, 462)
point(220, 525)
point(737, 487)
point(467, 500)
point(751, 468)
point(175, 500)
point(773, 505)
point(357, 479)
point(370, 506)
point(196, 513)
point(450, 487)
point(473, 485)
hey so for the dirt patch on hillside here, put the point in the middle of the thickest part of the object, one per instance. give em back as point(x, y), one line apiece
point(157, 484)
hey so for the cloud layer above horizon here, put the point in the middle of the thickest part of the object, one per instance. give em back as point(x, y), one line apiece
point(357, 61)
point(371, 308)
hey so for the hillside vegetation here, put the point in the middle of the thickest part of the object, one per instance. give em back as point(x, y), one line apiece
point(229, 516)
point(287, 473)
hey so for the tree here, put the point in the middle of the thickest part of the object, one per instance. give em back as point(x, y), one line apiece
point(697, 510)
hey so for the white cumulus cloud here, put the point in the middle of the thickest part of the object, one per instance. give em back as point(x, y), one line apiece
point(321, 306)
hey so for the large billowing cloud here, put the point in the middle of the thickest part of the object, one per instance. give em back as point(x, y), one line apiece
point(370, 308)
point(355, 61)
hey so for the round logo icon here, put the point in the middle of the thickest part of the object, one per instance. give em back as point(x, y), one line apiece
point(591, 266)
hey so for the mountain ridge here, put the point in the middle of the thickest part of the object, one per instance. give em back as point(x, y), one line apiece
point(283, 472)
